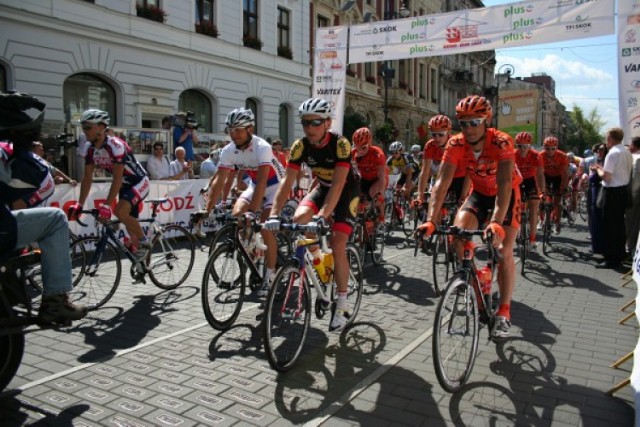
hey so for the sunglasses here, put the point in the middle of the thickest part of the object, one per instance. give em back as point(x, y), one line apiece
point(522, 146)
point(87, 127)
point(550, 148)
point(473, 123)
point(440, 134)
point(315, 122)
point(233, 130)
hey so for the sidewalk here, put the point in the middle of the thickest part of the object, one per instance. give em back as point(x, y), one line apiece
point(150, 358)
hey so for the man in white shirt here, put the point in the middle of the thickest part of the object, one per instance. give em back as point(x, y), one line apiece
point(181, 169)
point(209, 167)
point(158, 164)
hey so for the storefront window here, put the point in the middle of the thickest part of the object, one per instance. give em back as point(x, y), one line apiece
point(283, 120)
point(196, 101)
point(84, 91)
point(252, 104)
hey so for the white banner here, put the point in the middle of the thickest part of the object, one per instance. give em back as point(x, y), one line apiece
point(629, 66)
point(330, 70)
point(525, 23)
point(183, 199)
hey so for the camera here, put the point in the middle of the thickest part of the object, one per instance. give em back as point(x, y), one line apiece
point(66, 140)
point(185, 120)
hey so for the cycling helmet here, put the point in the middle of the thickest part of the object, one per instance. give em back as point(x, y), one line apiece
point(396, 146)
point(588, 153)
point(315, 106)
point(550, 141)
point(95, 116)
point(362, 137)
point(474, 105)
point(439, 123)
point(571, 156)
point(240, 118)
point(415, 148)
point(20, 112)
point(523, 138)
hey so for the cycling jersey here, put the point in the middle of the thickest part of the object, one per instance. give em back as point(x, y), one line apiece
point(116, 151)
point(529, 164)
point(399, 165)
point(30, 171)
point(369, 163)
point(498, 147)
point(434, 152)
point(258, 153)
point(555, 164)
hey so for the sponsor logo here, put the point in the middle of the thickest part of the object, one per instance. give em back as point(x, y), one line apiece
point(374, 53)
point(632, 68)
point(633, 19)
point(521, 23)
point(517, 10)
point(420, 22)
point(329, 54)
point(412, 37)
point(385, 29)
point(583, 26)
point(421, 49)
point(630, 36)
point(635, 84)
point(516, 37)
point(562, 3)
point(631, 51)
point(324, 78)
point(336, 66)
point(632, 102)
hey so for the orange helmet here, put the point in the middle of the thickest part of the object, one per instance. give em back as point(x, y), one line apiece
point(523, 138)
point(362, 137)
point(550, 141)
point(474, 104)
point(440, 123)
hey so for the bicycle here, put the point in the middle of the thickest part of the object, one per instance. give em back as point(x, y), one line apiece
point(366, 235)
point(394, 213)
point(444, 259)
point(216, 220)
point(224, 279)
point(287, 312)
point(522, 239)
point(548, 211)
point(466, 304)
point(168, 262)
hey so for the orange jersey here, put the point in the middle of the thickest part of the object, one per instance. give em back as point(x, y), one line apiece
point(369, 163)
point(556, 164)
point(529, 164)
point(433, 152)
point(498, 147)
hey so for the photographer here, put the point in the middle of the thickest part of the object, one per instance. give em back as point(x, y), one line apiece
point(184, 132)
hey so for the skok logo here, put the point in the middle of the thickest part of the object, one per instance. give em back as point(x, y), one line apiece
point(387, 29)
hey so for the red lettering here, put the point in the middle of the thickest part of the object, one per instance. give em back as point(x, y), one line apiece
point(179, 203)
point(166, 208)
point(190, 205)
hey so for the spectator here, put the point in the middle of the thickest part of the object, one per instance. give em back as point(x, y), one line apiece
point(81, 153)
point(181, 169)
point(158, 165)
point(615, 174)
point(633, 213)
point(166, 122)
point(209, 167)
point(596, 227)
point(278, 152)
point(184, 135)
point(59, 177)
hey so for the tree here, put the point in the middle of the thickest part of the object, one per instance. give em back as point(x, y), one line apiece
point(353, 122)
point(582, 131)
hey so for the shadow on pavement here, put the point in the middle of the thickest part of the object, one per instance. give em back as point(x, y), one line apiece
point(13, 409)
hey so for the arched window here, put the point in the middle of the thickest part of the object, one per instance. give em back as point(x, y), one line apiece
point(252, 104)
point(84, 91)
point(3, 79)
point(284, 125)
point(196, 101)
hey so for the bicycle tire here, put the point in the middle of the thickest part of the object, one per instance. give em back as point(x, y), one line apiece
point(456, 319)
point(377, 247)
point(389, 216)
point(524, 242)
point(355, 285)
point(546, 232)
point(100, 269)
point(171, 257)
point(11, 349)
point(409, 213)
point(223, 287)
point(440, 262)
point(224, 234)
point(357, 238)
point(286, 324)
point(582, 206)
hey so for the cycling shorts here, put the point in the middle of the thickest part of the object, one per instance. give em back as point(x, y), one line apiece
point(269, 195)
point(365, 187)
point(455, 189)
point(530, 188)
point(135, 194)
point(553, 184)
point(344, 215)
point(482, 207)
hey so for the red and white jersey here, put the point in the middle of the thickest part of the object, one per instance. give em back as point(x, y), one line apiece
point(258, 153)
point(116, 151)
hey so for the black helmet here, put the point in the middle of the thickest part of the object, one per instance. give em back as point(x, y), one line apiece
point(20, 113)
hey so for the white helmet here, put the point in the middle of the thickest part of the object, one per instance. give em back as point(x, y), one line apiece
point(415, 148)
point(240, 118)
point(95, 116)
point(315, 106)
point(396, 146)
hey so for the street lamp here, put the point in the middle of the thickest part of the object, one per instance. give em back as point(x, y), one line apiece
point(508, 71)
point(387, 72)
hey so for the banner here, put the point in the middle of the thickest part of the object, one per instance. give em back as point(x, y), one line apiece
point(518, 111)
point(525, 23)
point(629, 67)
point(330, 70)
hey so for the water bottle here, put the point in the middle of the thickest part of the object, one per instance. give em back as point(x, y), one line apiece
point(318, 264)
point(485, 277)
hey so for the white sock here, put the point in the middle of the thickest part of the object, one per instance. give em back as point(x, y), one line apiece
point(341, 303)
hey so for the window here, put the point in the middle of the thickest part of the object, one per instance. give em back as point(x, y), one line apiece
point(252, 104)
point(3, 79)
point(84, 91)
point(196, 101)
point(323, 21)
point(284, 29)
point(148, 3)
point(205, 12)
point(283, 124)
point(433, 88)
point(422, 92)
point(402, 73)
point(250, 18)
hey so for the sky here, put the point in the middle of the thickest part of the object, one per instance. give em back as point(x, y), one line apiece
point(585, 70)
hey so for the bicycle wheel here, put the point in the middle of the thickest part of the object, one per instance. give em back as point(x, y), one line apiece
point(582, 206)
point(98, 266)
point(222, 235)
point(11, 349)
point(389, 218)
point(546, 232)
point(455, 335)
point(286, 318)
point(440, 262)
point(377, 247)
point(408, 218)
point(358, 239)
point(223, 287)
point(523, 243)
point(355, 285)
point(171, 257)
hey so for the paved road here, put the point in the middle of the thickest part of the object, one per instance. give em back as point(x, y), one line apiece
point(150, 358)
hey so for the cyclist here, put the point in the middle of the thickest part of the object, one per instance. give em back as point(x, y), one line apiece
point(529, 164)
point(371, 163)
point(575, 173)
point(328, 154)
point(440, 128)
point(21, 175)
point(401, 163)
point(253, 155)
point(556, 176)
point(416, 156)
point(489, 157)
point(130, 182)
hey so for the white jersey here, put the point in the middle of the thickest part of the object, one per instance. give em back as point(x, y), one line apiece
point(258, 153)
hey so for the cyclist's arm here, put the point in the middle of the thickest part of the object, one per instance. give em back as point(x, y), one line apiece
point(85, 185)
point(337, 185)
point(408, 184)
point(503, 178)
point(220, 182)
point(466, 187)
point(282, 195)
point(261, 184)
point(439, 191)
point(423, 180)
point(116, 183)
point(379, 186)
point(540, 179)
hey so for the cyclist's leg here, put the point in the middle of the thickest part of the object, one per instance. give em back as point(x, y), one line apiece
point(472, 213)
point(127, 209)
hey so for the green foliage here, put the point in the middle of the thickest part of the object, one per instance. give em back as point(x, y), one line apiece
point(351, 123)
point(583, 131)
point(385, 133)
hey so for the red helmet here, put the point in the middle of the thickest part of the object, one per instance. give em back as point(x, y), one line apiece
point(550, 141)
point(362, 137)
point(474, 105)
point(439, 123)
point(523, 138)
